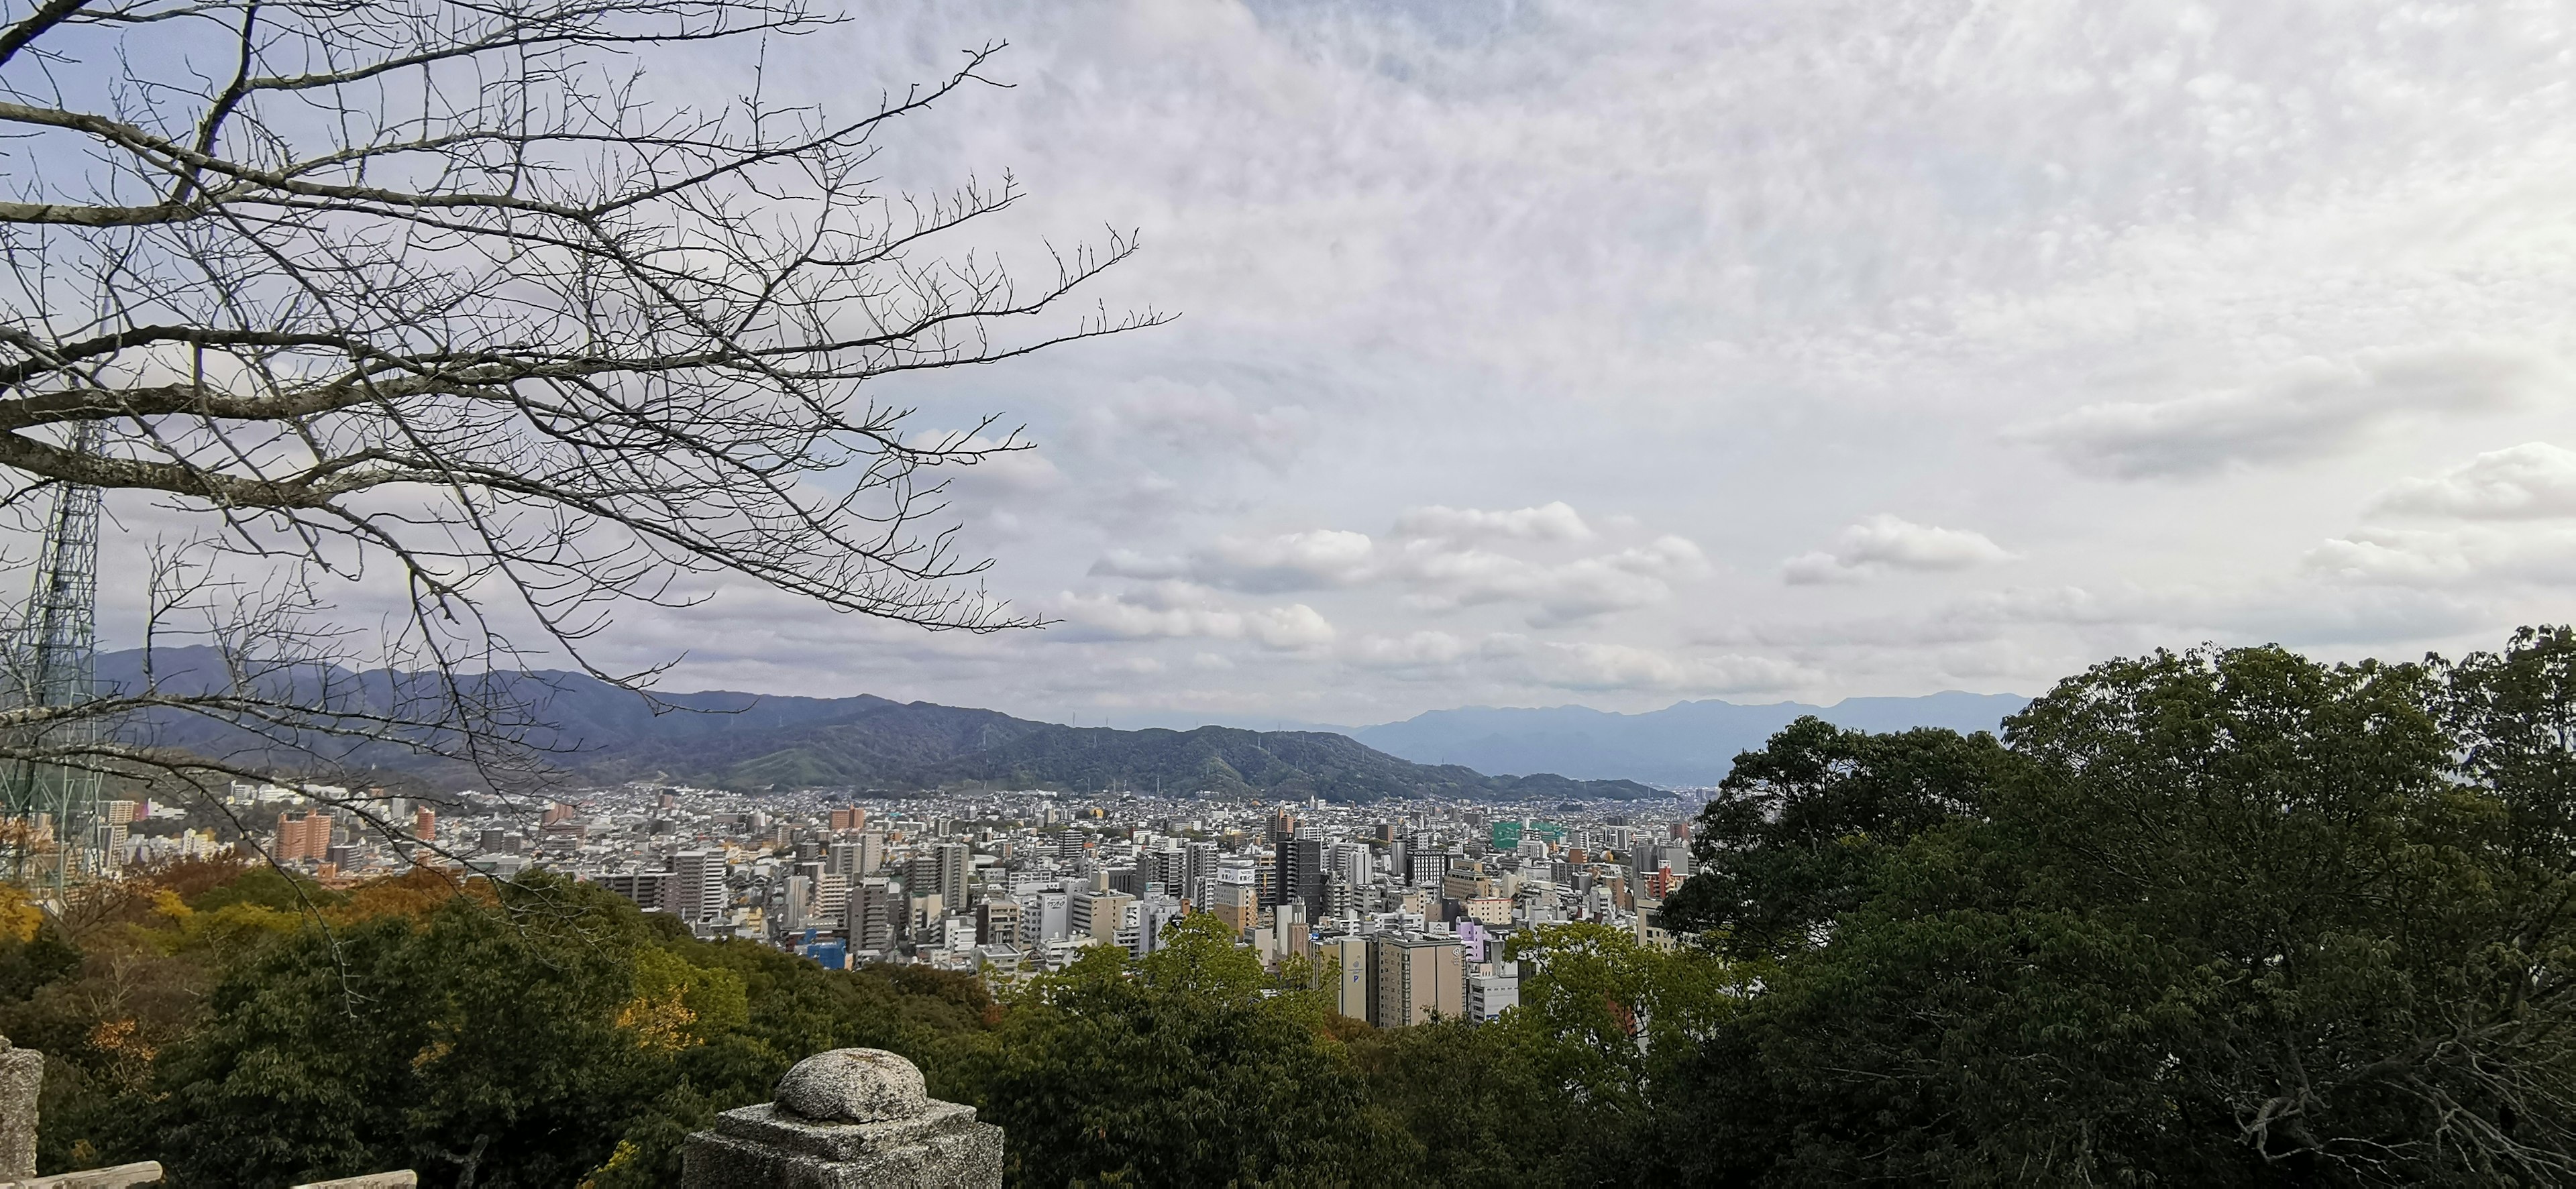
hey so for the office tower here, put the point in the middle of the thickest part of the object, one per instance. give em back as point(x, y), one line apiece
point(700, 881)
point(1235, 894)
point(1197, 882)
point(1097, 915)
point(1301, 874)
point(1493, 990)
point(1351, 987)
point(307, 838)
point(1153, 915)
point(556, 811)
point(424, 824)
point(796, 902)
point(997, 922)
point(877, 909)
point(115, 826)
point(1415, 976)
point(1424, 862)
point(646, 888)
point(1044, 917)
point(831, 903)
point(852, 818)
point(954, 862)
point(1354, 863)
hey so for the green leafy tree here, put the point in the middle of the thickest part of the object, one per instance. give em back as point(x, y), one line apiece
point(1193, 1067)
point(2231, 918)
point(1797, 828)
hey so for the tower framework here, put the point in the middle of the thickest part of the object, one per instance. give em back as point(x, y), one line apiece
point(51, 805)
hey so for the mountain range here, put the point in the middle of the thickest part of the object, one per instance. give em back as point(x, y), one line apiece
point(741, 740)
point(867, 743)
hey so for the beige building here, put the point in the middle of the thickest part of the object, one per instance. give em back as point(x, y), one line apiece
point(1237, 904)
point(1351, 993)
point(1468, 881)
point(1413, 977)
point(1098, 915)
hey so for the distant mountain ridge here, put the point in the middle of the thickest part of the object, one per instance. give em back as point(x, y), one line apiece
point(1688, 744)
point(745, 741)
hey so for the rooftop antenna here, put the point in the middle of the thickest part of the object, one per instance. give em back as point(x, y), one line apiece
point(50, 807)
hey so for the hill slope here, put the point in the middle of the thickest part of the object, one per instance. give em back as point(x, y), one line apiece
point(739, 740)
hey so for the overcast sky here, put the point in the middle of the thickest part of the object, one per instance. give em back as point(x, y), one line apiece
point(1619, 354)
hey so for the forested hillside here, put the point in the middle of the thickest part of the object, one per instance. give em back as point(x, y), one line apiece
point(736, 740)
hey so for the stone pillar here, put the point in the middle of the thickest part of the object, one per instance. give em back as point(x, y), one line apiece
point(846, 1119)
point(22, 1075)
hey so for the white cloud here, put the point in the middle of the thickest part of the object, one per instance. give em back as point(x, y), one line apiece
point(1412, 650)
point(1445, 578)
point(1436, 567)
point(1884, 542)
point(2528, 481)
point(1311, 560)
point(1295, 626)
point(1138, 616)
point(2304, 409)
point(1548, 522)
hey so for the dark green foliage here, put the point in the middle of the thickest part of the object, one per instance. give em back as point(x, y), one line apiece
point(1196, 1071)
point(1797, 829)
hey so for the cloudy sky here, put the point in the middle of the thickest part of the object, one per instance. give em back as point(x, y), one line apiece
point(1621, 353)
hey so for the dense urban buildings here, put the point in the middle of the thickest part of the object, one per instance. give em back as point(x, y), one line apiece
point(1408, 905)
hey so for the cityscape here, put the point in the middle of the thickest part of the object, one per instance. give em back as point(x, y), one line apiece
point(1410, 904)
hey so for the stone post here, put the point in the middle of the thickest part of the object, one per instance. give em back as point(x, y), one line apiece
point(846, 1119)
point(22, 1075)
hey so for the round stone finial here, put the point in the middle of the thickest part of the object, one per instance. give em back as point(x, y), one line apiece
point(853, 1086)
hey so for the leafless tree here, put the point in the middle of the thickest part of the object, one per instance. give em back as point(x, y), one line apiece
point(431, 296)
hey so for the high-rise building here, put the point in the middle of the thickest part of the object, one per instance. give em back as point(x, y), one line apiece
point(424, 824)
point(650, 890)
point(852, 818)
point(1153, 915)
point(1493, 989)
point(1301, 874)
point(1424, 862)
point(699, 880)
point(1197, 881)
point(796, 902)
point(997, 922)
point(877, 909)
point(307, 838)
point(1098, 915)
point(1044, 917)
point(115, 826)
point(1415, 976)
point(953, 863)
point(1351, 986)
point(1354, 863)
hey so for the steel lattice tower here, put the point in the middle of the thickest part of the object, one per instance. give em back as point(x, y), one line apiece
point(52, 808)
